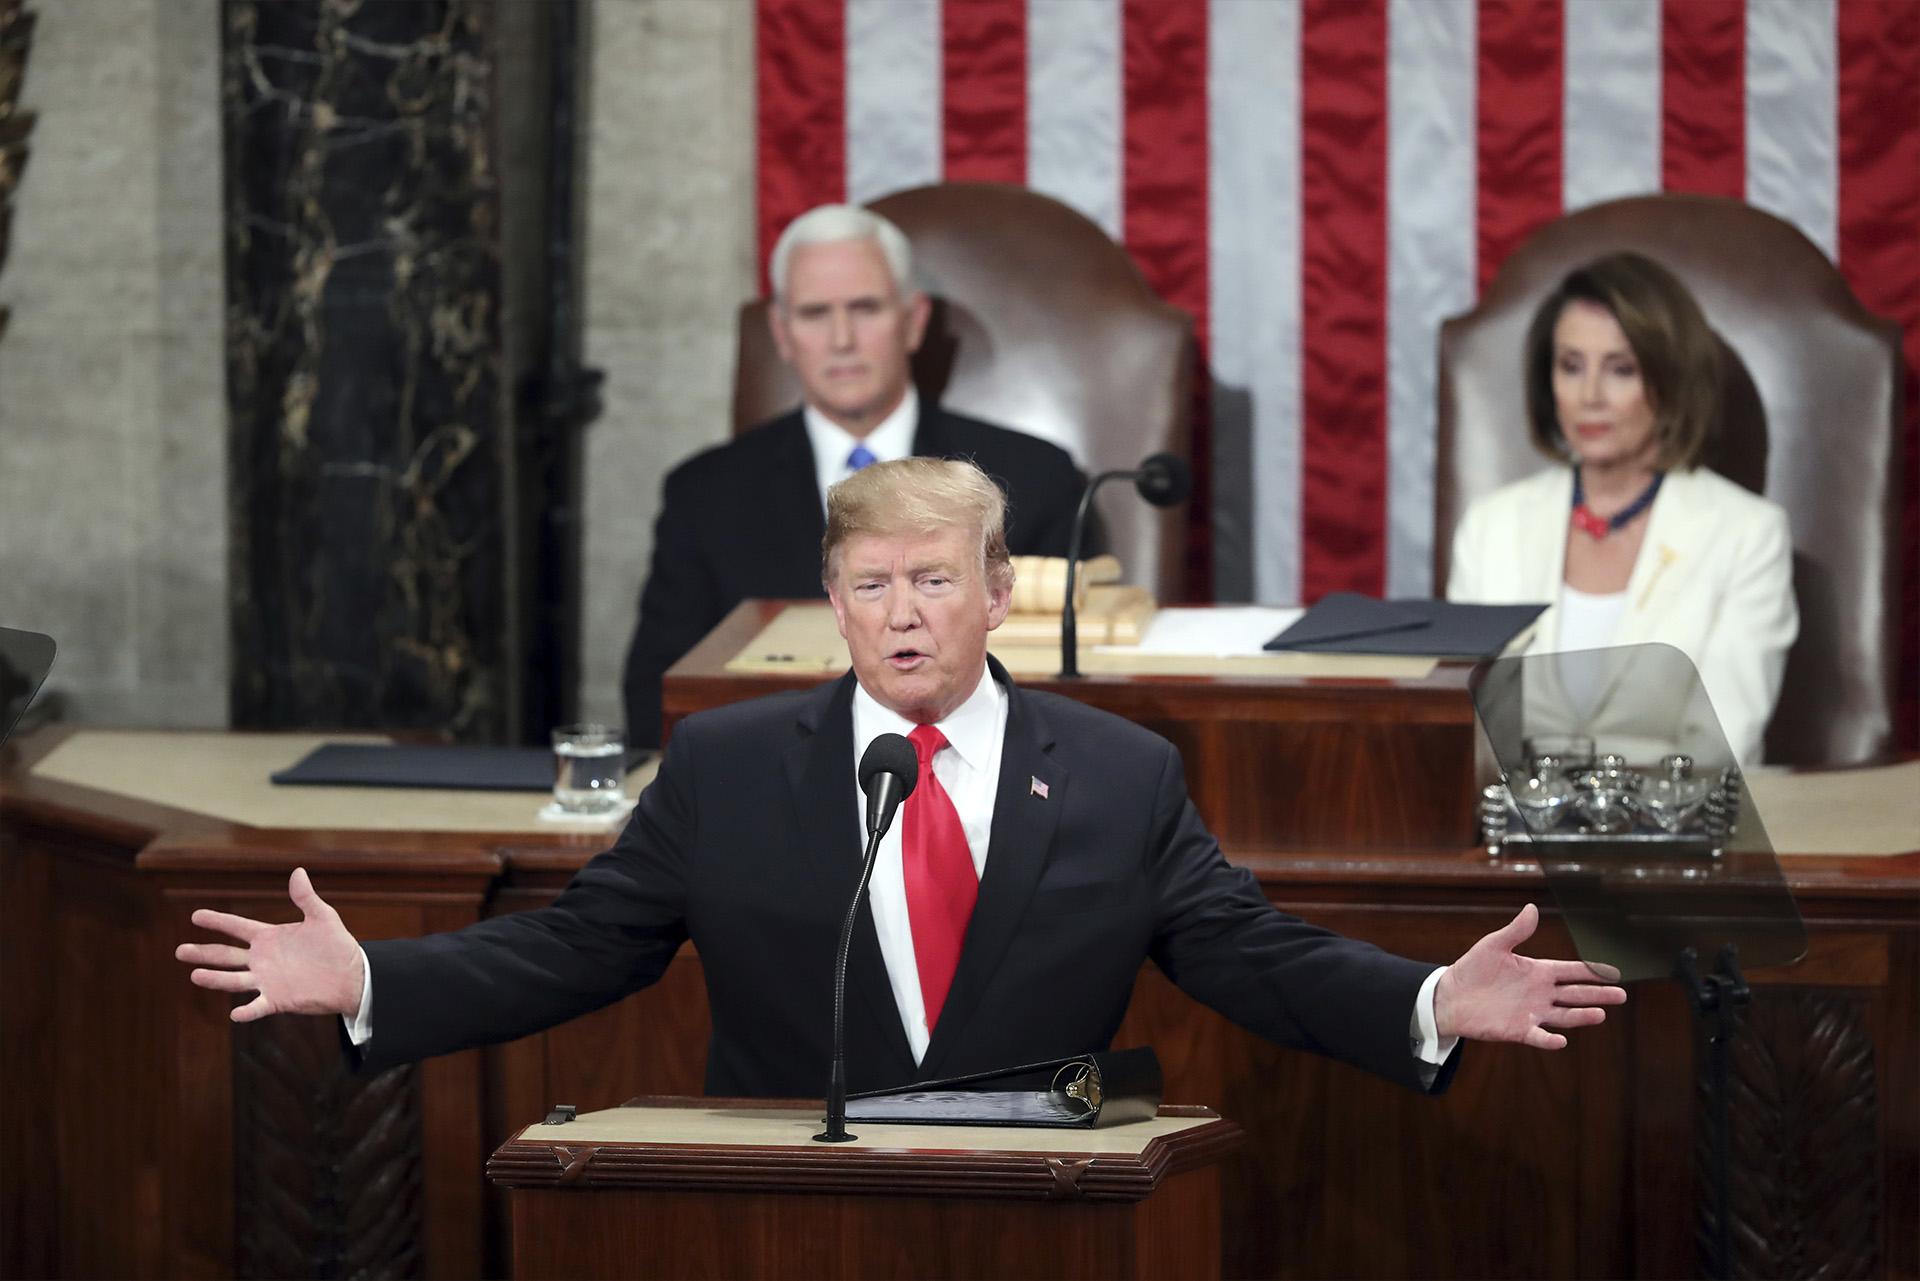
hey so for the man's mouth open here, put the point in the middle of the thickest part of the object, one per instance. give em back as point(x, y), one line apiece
point(907, 660)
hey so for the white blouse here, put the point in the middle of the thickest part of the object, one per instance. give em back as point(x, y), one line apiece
point(1587, 621)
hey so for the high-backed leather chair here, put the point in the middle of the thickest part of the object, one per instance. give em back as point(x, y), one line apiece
point(1041, 323)
point(1810, 418)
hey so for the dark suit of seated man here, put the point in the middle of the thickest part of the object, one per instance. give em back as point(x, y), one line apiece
point(744, 519)
point(1046, 851)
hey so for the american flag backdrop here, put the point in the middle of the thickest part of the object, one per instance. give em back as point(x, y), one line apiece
point(1321, 182)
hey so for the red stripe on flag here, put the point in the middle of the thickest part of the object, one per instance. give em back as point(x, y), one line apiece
point(1164, 198)
point(985, 51)
point(1703, 97)
point(1878, 50)
point(1343, 292)
point(1520, 95)
point(800, 56)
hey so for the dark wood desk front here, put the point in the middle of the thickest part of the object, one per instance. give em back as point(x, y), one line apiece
point(1271, 762)
point(143, 1134)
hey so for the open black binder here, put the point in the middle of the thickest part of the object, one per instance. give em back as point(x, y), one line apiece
point(1349, 623)
point(1086, 1091)
point(429, 765)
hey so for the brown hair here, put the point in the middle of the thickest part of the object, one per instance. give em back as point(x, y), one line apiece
point(919, 496)
point(1678, 355)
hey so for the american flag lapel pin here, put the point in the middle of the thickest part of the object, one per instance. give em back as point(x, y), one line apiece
point(1038, 789)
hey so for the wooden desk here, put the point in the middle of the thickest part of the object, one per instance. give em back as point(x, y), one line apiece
point(142, 1134)
point(1271, 762)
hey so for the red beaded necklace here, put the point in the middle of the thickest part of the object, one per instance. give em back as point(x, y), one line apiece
point(1596, 526)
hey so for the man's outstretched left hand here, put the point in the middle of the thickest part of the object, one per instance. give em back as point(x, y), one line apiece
point(1495, 994)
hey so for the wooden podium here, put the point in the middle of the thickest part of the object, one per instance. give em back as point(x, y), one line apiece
point(678, 1187)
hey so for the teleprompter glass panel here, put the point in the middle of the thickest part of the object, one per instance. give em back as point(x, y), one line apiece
point(1621, 785)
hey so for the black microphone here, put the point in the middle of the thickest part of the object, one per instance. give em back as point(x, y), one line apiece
point(888, 771)
point(1163, 480)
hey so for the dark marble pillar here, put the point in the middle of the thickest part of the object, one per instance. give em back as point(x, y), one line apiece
point(558, 398)
point(382, 320)
point(16, 38)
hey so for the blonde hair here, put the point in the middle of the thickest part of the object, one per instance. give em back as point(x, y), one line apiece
point(917, 496)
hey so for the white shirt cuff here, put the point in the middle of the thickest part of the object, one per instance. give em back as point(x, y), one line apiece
point(1428, 1046)
point(360, 1026)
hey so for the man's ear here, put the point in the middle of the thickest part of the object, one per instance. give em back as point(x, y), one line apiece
point(777, 325)
point(999, 601)
point(839, 610)
point(919, 310)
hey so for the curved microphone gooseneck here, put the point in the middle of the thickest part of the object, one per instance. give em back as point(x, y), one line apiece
point(1163, 480)
point(888, 771)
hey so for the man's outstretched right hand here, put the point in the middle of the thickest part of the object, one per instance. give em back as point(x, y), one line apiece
point(312, 967)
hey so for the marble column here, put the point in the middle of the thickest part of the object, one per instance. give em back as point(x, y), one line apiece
point(16, 38)
point(374, 509)
point(670, 246)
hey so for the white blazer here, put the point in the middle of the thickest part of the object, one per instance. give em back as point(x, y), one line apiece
point(1714, 579)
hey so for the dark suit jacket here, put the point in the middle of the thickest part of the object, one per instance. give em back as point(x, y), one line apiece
point(749, 843)
point(743, 520)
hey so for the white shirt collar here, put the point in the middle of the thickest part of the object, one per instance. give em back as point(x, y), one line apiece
point(970, 728)
point(892, 439)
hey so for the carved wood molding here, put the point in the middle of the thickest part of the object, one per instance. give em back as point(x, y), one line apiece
point(327, 1165)
point(1805, 1180)
point(16, 39)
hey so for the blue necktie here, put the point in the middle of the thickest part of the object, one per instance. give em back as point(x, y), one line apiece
point(860, 457)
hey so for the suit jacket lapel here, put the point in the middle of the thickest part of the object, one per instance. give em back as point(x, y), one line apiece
point(792, 492)
point(1024, 823)
point(819, 769)
point(1547, 557)
point(1663, 560)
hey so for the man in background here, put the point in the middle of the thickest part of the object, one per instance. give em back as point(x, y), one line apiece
point(745, 519)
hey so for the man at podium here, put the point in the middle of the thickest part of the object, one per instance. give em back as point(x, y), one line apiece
point(1045, 851)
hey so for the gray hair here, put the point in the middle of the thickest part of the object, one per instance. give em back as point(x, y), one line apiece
point(834, 224)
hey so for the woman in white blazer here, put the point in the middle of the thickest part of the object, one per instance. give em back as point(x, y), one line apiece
point(1627, 537)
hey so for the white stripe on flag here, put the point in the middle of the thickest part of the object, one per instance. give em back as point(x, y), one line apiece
point(894, 70)
point(1074, 69)
point(1431, 242)
point(1793, 167)
point(1610, 142)
point(1430, 250)
point(1253, 211)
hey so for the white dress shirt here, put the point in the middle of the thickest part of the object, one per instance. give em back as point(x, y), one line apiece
point(832, 443)
point(969, 768)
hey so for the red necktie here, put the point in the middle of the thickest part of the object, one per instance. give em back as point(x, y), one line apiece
point(941, 882)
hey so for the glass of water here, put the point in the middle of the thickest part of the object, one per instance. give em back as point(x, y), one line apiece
point(587, 774)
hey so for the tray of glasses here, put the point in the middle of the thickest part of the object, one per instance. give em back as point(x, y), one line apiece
point(1604, 802)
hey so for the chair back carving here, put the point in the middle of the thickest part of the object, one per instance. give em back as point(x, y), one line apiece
point(1040, 323)
point(1810, 418)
